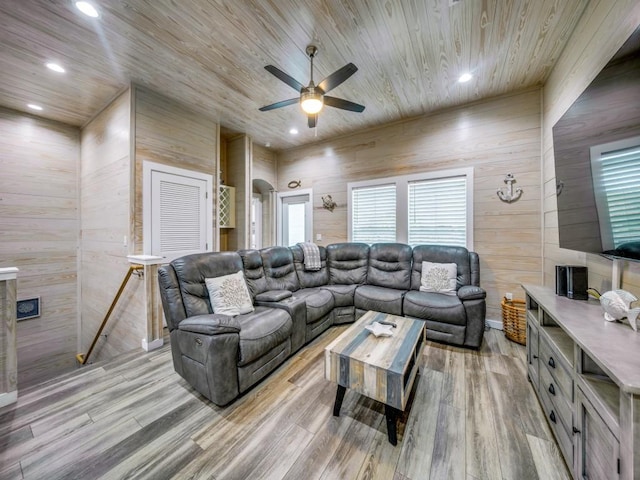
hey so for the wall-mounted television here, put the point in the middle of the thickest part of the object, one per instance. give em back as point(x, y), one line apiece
point(597, 161)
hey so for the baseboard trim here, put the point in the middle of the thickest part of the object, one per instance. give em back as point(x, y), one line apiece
point(153, 345)
point(8, 398)
point(497, 324)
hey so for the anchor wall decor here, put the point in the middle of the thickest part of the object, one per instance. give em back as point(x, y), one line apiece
point(507, 194)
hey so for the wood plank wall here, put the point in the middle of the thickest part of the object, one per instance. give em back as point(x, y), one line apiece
point(496, 136)
point(172, 134)
point(106, 233)
point(602, 30)
point(239, 176)
point(39, 161)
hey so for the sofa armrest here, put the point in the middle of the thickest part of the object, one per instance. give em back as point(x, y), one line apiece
point(296, 307)
point(213, 324)
point(471, 292)
point(273, 295)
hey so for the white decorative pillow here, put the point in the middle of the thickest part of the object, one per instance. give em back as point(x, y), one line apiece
point(439, 278)
point(229, 294)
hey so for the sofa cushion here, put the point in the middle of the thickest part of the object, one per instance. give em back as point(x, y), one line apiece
point(390, 265)
point(435, 306)
point(319, 302)
point(261, 331)
point(279, 269)
point(342, 294)
point(347, 263)
point(379, 299)
point(191, 270)
point(253, 272)
point(441, 254)
point(229, 294)
point(308, 278)
point(439, 278)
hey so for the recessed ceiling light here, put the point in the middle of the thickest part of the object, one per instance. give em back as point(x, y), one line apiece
point(465, 77)
point(55, 67)
point(293, 131)
point(33, 106)
point(87, 9)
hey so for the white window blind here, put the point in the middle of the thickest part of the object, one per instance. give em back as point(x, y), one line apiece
point(180, 217)
point(373, 211)
point(618, 175)
point(423, 208)
point(438, 211)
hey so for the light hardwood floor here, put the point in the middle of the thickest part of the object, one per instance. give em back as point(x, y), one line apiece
point(473, 415)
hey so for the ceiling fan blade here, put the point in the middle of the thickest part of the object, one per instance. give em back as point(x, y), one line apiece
point(343, 104)
point(337, 77)
point(312, 120)
point(281, 104)
point(289, 80)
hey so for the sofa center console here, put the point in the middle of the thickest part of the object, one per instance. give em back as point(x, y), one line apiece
point(586, 374)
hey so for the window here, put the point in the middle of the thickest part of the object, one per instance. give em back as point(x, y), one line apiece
point(430, 208)
point(374, 214)
point(616, 177)
point(438, 211)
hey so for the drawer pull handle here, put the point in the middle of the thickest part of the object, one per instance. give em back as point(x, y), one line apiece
point(198, 341)
point(552, 416)
point(575, 430)
point(552, 390)
point(535, 357)
point(552, 362)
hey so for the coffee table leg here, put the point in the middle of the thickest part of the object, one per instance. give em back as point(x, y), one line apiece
point(338, 403)
point(392, 416)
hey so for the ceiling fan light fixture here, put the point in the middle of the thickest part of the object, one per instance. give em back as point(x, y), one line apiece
point(311, 102)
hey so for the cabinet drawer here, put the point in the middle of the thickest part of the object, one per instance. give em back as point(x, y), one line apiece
point(557, 398)
point(556, 365)
point(565, 440)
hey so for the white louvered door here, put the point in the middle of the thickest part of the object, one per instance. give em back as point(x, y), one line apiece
point(180, 213)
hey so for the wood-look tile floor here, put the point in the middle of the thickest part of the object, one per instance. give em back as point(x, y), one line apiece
point(473, 415)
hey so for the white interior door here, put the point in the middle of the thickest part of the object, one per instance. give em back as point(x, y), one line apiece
point(295, 217)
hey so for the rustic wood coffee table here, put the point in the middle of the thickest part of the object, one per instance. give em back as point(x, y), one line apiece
point(381, 368)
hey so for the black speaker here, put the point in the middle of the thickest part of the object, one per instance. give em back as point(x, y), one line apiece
point(561, 280)
point(577, 283)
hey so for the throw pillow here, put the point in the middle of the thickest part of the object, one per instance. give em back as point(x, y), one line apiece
point(439, 278)
point(229, 294)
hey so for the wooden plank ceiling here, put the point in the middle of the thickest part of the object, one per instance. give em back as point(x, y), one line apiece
point(211, 54)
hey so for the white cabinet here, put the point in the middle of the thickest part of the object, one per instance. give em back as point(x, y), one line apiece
point(227, 206)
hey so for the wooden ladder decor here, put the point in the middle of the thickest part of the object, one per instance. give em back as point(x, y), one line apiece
point(81, 357)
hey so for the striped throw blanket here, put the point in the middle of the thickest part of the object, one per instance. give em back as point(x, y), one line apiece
point(311, 254)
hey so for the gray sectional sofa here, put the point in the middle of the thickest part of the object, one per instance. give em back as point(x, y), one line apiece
point(223, 356)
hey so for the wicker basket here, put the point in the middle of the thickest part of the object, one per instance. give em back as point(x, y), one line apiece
point(514, 320)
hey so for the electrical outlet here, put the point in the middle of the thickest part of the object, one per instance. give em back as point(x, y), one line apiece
point(508, 296)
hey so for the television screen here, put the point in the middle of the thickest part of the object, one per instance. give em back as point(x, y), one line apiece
point(597, 161)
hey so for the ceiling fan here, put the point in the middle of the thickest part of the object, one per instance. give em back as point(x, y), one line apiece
point(313, 97)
